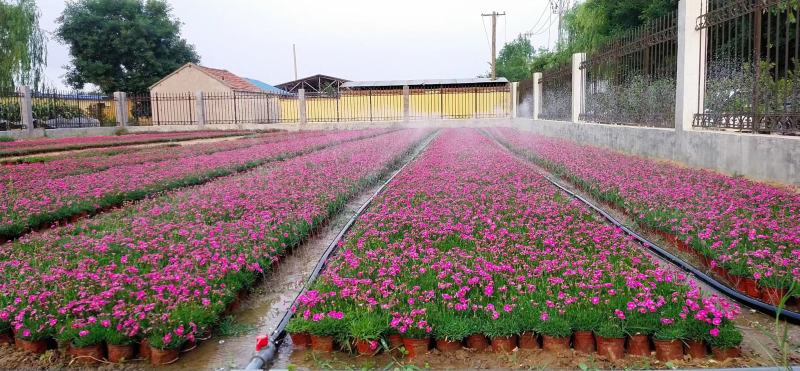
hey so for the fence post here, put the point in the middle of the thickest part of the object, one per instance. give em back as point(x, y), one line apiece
point(121, 108)
point(26, 107)
point(200, 109)
point(301, 106)
point(406, 103)
point(691, 65)
point(577, 85)
point(537, 95)
point(514, 98)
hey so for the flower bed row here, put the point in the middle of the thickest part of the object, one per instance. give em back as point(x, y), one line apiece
point(161, 272)
point(42, 201)
point(747, 231)
point(470, 242)
point(42, 145)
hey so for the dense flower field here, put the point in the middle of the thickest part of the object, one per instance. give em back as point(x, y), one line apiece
point(24, 147)
point(29, 201)
point(471, 240)
point(749, 230)
point(164, 269)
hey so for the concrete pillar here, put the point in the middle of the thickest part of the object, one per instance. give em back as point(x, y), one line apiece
point(301, 106)
point(200, 109)
point(514, 98)
point(691, 65)
point(537, 95)
point(406, 103)
point(121, 108)
point(578, 82)
point(26, 107)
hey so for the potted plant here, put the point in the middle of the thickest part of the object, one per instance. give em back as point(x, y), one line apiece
point(639, 327)
point(696, 333)
point(164, 346)
point(669, 342)
point(584, 321)
point(298, 332)
point(367, 328)
point(323, 331)
point(477, 340)
point(726, 342)
point(610, 340)
point(503, 332)
point(556, 332)
point(85, 341)
point(450, 332)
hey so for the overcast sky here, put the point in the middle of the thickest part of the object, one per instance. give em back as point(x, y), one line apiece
point(351, 39)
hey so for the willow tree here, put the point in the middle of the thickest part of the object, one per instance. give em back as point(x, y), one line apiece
point(22, 44)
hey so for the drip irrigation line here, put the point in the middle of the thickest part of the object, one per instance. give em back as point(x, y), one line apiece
point(771, 310)
point(267, 352)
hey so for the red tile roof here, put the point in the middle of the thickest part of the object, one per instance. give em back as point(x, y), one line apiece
point(234, 82)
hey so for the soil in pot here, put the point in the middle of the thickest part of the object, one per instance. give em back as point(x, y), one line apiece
point(416, 347)
point(504, 344)
point(555, 344)
point(87, 355)
point(445, 345)
point(477, 342)
point(639, 345)
point(36, 346)
point(322, 343)
point(529, 340)
point(696, 349)
point(583, 341)
point(366, 347)
point(121, 353)
point(723, 354)
point(669, 350)
point(611, 348)
point(300, 340)
point(160, 357)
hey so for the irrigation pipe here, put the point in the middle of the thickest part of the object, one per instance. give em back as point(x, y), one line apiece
point(267, 351)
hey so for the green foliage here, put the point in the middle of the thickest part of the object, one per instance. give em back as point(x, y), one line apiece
point(229, 326)
point(514, 59)
point(729, 337)
point(122, 45)
point(675, 331)
point(22, 43)
point(5, 139)
point(556, 327)
point(369, 325)
point(610, 329)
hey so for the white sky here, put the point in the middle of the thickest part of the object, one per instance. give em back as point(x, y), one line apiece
point(351, 39)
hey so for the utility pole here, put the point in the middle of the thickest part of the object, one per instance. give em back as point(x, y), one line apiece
point(494, 16)
point(559, 7)
point(294, 55)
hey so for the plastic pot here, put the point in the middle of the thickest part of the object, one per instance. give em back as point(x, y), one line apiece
point(696, 349)
point(504, 344)
point(160, 357)
point(748, 287)
point(772, 295)
point(365, 348)
point(31, 346)
point(611, 348)
point(583, 341)
point(555, 344)
point(300, 340)
point(477, 342)
point(669, 350)
point(639, 345)
point(445, 345)
point(528, 340)
point(721, 354)
point(87, 355)
point(144, 349)
point(395, 341)
point(120, 353)
point(322, 343)
point(416, 347)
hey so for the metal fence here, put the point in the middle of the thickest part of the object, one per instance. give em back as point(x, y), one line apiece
point(459, 103)
point(752, 71)
point(10, 118)
point(557, 93)
point(53, 109)
point(356, 105)
point(631, 79)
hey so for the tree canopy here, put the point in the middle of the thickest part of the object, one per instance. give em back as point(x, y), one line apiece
point(122, 45)
point(22, 44)
point(514, 60)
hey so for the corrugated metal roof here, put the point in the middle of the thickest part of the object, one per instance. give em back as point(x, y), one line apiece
point(266, 87)
point(477, 80)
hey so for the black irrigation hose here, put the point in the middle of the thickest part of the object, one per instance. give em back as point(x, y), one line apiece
point(770, 310)
point(265, 355)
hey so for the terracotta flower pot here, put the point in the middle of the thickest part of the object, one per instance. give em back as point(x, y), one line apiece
point(322, 343)
point(395, 341)
point(723, 354)
point(365, 348)
point(583, 341)
point(416, 347)
point(504, 344)
point(477, 342)
point(555, 344)
point(87, 355)
point(37, 346)
point(528, 340)
point(696, 349)
point(748, 287)
point(668, 350)
point(772, 295)
point(639, 345)
point(144, 349)
point(120, 353)
point(160, 357)
point(445, 345)
point(611, 348)
point(300, 340)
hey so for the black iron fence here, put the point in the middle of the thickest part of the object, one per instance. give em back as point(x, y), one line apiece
point(219, 108)
point(557, 93)
point(53, 109)
point(751, 53)
point(525, 98)
point(631, 79)
point(10, 118)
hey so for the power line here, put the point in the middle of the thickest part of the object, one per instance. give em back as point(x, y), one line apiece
point(494, 16)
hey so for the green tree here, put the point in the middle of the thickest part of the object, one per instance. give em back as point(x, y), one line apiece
point(22, 44)
point(122, 45)
point(514, 60)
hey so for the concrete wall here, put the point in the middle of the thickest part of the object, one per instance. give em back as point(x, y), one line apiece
point(60, 133)
point(771, 158)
